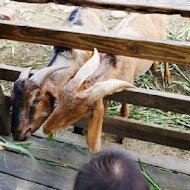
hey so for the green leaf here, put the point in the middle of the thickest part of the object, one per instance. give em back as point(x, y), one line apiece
point(21, 149)
point(50, 137)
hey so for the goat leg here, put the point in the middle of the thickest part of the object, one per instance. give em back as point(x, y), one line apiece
point(166, 73)
point(124, 112)
point(154, 66)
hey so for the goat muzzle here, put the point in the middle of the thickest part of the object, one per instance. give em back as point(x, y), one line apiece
point(25, 136)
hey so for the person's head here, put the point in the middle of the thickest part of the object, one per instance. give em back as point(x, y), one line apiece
point(112, 170)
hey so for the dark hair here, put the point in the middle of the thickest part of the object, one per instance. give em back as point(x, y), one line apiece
point(112, 170)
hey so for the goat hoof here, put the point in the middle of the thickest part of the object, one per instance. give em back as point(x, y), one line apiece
point(167, 83)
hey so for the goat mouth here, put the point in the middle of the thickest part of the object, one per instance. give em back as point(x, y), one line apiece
point(26, 135)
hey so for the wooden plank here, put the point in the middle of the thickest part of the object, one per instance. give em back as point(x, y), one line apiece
point(148, 132)
point(11, 73)
point(9, 182)
point(168, 162)
point(152, 98)
point(14, 162)
point(8, 101)
point(59, 152)
point(142, 97)
point(144, 6)
point(166, 179)
point(5, 128)
point(169, 181)
point(152, 49)
point(42, 174)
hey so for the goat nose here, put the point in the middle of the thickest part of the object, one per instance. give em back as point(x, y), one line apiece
point(15, 135)
point(26, 135)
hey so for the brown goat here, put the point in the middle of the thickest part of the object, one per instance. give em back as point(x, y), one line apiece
point(85, 91)
point(34, 98)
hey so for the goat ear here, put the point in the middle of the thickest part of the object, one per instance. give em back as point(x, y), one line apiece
point(102, 89)
point(40, 76)
point(87, 69)
point(25, 73)
point(95, 127)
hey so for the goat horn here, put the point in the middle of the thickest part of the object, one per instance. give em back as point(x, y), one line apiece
point(102, 89)
point(88, 68)
point(40, 76)
point(25, 73)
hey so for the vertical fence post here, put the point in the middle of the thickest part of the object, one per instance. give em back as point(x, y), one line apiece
point(4, 115)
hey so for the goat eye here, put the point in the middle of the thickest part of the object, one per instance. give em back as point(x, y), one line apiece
point(36, 102)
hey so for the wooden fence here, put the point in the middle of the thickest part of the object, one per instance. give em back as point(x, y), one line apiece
point(174, 52)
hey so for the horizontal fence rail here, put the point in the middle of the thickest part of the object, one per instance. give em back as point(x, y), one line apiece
point(158, 50)
point(153, 99)
point(181, 7)
point(142, 97)
point(10, 73)
point(143, 131)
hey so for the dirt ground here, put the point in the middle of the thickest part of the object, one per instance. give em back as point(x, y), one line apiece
point(25, 54)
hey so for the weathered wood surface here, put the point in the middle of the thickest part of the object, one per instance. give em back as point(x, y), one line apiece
point(169, 181)
point(143, 131)
point(42, 174)
point(144, 6)
point(152, 98)
point(61, 178)
point(10, 73)
point(59, 152)
point(8, 100)
point(9, 182)
point(159, 50)
point(141, 97)
point(167, 162)
point(4, 115)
